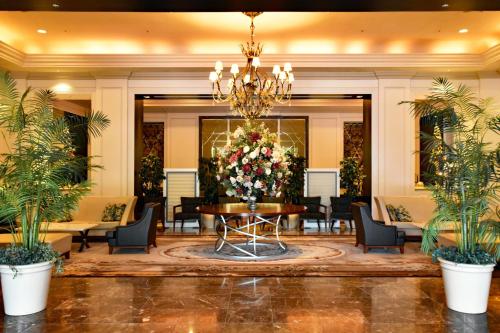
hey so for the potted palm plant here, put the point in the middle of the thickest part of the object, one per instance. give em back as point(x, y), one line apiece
point(464, 189)
point(36, 184)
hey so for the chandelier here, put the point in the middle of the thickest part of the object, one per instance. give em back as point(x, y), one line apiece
point(252, 93)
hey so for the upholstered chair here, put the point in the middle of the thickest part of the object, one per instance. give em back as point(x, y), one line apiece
point(373, 234)
point(188, 210)
point(140, 234)
point(341, 210)
point(315, 210)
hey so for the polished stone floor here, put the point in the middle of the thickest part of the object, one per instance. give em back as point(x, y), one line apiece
point(306, 305)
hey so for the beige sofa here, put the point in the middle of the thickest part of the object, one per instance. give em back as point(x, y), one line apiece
point(421, 209)
point(90, 209)
point(61, 242)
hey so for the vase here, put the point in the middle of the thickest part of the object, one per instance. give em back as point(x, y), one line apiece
point(252, 203)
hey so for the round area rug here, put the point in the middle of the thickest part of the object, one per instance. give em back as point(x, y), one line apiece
point(295, 251)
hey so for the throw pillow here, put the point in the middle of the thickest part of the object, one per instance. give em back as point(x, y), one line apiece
point(398, 214)
point(113, 212)
point(66, 218)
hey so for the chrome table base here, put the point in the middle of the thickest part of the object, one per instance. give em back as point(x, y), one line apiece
point(252, 247)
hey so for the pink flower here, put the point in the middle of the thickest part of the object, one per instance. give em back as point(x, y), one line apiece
point(269, 152)
point(233, 158)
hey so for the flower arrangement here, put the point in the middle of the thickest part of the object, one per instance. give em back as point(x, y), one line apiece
point(253, 163)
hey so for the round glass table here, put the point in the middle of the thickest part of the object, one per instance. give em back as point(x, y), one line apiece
point(258, 242)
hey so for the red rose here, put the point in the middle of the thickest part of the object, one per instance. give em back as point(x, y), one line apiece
point(276, 165)
point(239, 190)
point(259, 171)
point(246, 168)
point(239, 152)
point(254, 136)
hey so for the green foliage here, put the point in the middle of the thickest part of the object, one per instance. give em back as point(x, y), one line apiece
point(351, 176)
point(15, 255)
point(470, 176)
point(207, 175)
point(294, 187)
point(151, 176)
point(37, 173)
point(452, 253)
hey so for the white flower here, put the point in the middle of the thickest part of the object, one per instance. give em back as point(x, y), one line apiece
point(240, 173)
point(234, 164)
point(244, 160)
point(258, 184)
point(246, 149)
point(280, 175)
point(229, 193)
point(268, 171)
point(252, 155)
point(248, 184)
point(278, 194)
point(238, 132)
point(233, 180)
point(263, 150)
point(218, 178)
point(257, 151)
point(239, 179)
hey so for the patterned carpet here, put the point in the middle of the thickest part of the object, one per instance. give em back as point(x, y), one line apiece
point(308, 256)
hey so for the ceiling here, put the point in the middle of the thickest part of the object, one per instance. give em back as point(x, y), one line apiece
point(221, 33)
point(131, 40)
point(249, 5)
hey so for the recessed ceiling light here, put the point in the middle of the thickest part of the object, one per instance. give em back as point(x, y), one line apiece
point(463, 31)
point(444, 5)
point(146, 97)
point(41, 31)
point(359, 96)
point(55, 5)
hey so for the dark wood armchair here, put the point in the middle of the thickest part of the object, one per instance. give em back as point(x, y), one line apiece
point(341, 210)
point(187, 210)
point(315, 210)
point(373, 234)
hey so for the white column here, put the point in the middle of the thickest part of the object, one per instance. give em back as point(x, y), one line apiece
point(396, 134)
point(112, 149)
point(489, 87)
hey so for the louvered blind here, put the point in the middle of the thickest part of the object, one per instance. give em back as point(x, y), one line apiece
point(179, 183)
point(323, 183)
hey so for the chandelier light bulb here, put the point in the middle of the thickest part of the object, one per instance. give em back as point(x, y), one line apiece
point(256, 62)
point(230, 83)
point(287, 68)
point(218, 66)
point(234, 69)
point(291, 78)
point(247, 78)
point(276, 70)
point(282, 76)
point(213, 76)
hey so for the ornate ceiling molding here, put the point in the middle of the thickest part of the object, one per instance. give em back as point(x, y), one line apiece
point(13, 59)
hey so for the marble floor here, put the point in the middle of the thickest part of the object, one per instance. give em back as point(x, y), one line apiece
point(306, 305)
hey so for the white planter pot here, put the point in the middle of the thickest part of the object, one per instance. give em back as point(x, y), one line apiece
point(466, 286)
point(25, 291)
